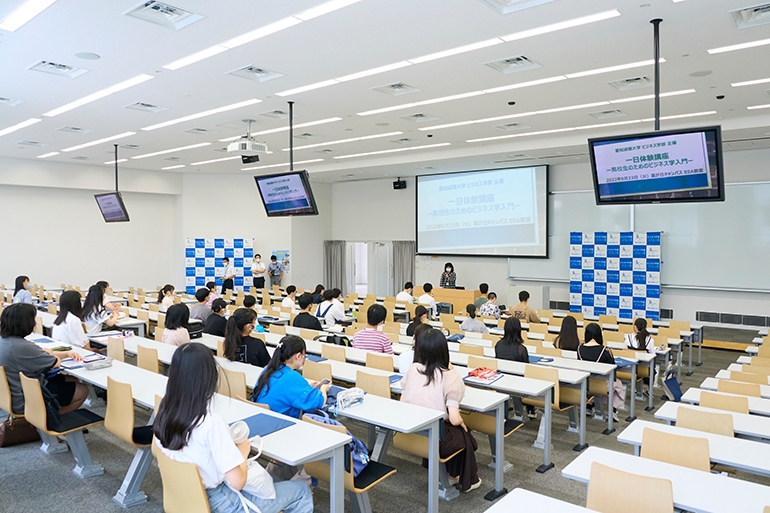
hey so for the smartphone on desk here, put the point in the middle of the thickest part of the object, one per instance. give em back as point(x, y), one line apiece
point(322, 383)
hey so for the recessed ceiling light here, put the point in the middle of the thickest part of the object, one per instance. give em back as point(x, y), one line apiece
point(100, 141)
point(99, 94)
point(755, 107)
point(285, 128)
point(202, 162)
point(341, 141)
point(88, 56)
point(24, 13)
point(698, 74)
point(19, 126)
point(741, 46)
point(393, 151)
point(116, 161)
point(172, 150)
point(46, 155)
point(751, 82)
point(172, 167)
point(281, 165)
point(202, 114)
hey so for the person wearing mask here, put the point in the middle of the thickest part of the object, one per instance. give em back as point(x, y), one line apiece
point(94, 315)
point(304, 319)
point(20, 292)
point(420, 317)
point(328, 310)
point(165, 297)
point(187, 430)
point(471, 323)
point(448, 277)
point(201, 311)
point(228, 275)
point(431, 383)
point(258, 270)
point(68, 325)
point(175, 332)
point(427, 299)
point(318, 294)
point(275, 271)
point(594, 350)
point(568, 338)
point(490, 308)
point(484, 289)
point(17, 354)
point(338, 304)
point(369, 338)
point(405, 296)
point(212, 286)
point(216, 322)
point(511, 347)
point(406, 358)
point(522, 311)
point(288, 301)
point(240, 345)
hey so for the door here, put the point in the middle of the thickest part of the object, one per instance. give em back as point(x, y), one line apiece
point(381, 268)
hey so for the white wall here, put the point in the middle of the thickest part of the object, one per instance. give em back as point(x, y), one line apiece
point(308, 234)
point(370, 210)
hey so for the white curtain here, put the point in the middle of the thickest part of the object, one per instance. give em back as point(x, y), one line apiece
point(403, 263)
point(334, 265)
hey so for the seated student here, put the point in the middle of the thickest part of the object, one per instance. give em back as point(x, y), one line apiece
point(187, 430)
point(20, 292)
point(215, 324)
point(369, 339)
point(94, 315)
point(522, 311)
point(405, 296)
point(318, 294)
point(511, 346)
point(281, 385)
point(568, 338)
point(166, 297)
point(406, 358)
point(427, 299)
point(471, 323)
point(420, 317)
point(640, 339)
point(240, 346)
point(328, 311)
point(288, 301)
point(68, 326)
point(176, 332)
point(212, 286)
point(201, 311)
point(432, 383)
point(109, 306)
point(20, 355)
point(484, 289)
point(490, 308)
point(339, 306)
point(594, 350)
point(250, 302)
point(304, 319)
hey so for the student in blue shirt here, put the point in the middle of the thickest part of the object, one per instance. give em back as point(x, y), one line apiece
point(20, 292)
point(282, 387)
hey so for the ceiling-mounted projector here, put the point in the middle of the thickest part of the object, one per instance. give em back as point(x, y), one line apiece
point(247, 147)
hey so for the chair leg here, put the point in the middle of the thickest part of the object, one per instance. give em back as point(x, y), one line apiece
point(51, 444)
point(371, 435)
point(360, 502)
point(446, 491)
point(129, 493)
point(507, 465)
point(540, 440)
point(574, 427)
point(84, 467)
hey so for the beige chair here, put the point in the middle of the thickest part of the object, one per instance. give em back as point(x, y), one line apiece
point(760, 361)
point(625, 328)
point(613, 336)
point(116, 349)
point(685, 451)
point(71, 426)
point(119, 420)
point(608, 319)
point(668, 332)
point(6, 401)
point(548, 314)
point(232, 384)
point(221, 348)
point(153, 307)
point(147, 358)
point(535, 327)
point(352, 330)
point(52, 309)
point(38, 325)
point(373, 384)
point(736, 387)
point(317, 371)
point(549, 351)
point(161, 321)
point(609, 491)
point(280, 329)
point(333, 352)
point(564, 399)
point(756, 369)
point(709, 422)
point(679, 325)
point(471, 349)
point(379, 361)
point(392, 328)
point(746, 377)
point(183, 490)
point(159, 334)
point(764, 349)
point(738, 404)
point(555, 321)
point(475, 362)
point(308, 334)
point(418, 445)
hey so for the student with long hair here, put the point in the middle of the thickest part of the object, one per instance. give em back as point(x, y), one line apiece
point(406, 358)
point(186, 430)
point(282, 387)
point(430, 382)
point(420, 317)
point(20, 292)
point(568, 338)
point(216, 323)
point(109, 306)
point(511, 346)
point(640, 339)
point(68, 325)
point(471, 323)
point(594, 350)
point(94, 315)
point(176, 332)
point(318, 294)
point(166, 297)
point(240, 346)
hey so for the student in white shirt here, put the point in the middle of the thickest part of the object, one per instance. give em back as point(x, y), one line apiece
point(288, 301)
point(20, 292)
point(94, 315)
point(640, 339)
point(68, 326)
point(228, 275)
point(186, 430)
point(166, 297)
point(339, 306)
point(258, 270)
point(327, 310)
point(405, 296)
point(109, 306)
point(427, 299)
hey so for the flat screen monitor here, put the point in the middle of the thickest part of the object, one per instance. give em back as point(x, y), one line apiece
point(493, 212)
point(287, 194)
point(659, 167)
point(112, 208)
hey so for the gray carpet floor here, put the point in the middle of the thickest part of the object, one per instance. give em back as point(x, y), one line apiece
point(32, 481)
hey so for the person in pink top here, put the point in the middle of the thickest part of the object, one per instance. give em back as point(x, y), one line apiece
point(176, 332)
point(369, 338)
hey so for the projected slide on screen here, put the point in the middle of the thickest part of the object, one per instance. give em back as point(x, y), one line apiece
point(500, 212)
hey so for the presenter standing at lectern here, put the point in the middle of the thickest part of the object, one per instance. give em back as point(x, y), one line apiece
point(448, 277)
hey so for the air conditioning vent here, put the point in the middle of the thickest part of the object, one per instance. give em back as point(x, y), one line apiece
point(275, 114)
point(307, 136)
point(79, 157)
point(514, 158)
point(146, 107)
point(163, 14)
point(60, 70)
point(631, 83)
point(325, 151)
point(513, 64)
point(396, 89)
point(74, 130)
point(173, 159)
point(419, 118)
point(131, 147)
point(36, 144)
point(512, 127)
point(610, 113)
point(404, 140)
point(509, 6)
point(10, 103)
point(200, 131)
point(752, 16)
point(255, 73)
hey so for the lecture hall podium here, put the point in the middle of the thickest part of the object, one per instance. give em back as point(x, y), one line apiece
point(459, 298)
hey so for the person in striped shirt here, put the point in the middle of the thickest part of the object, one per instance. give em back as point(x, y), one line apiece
point(369, 338)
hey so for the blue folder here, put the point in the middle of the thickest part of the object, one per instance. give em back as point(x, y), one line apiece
point(315, 358)
point(533, 358)
point(622, 362)
point(395, 378)
point(263, 424)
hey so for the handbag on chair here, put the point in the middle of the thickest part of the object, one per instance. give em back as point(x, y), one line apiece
point(16, 431)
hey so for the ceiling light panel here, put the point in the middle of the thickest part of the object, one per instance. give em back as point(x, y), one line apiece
point(24, 13)
point(393, 151)
point(285, 128)
point(116, 161)
point(741, 46)
point(281, 165)
point(509, 6)
point(202, 114)
point(172, 167)
point(753, 107)
point(99, 95)
point(172, 150)
point(751, 82)
point(19, 126)
point(215, 160)
point(46, 155)
point(100, 141)
point(342, 141)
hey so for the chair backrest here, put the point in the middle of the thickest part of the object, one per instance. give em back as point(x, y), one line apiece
point(232, 383)
point(154, 307)
point(392, 328)
point(659, 340)
point(471, 349)
point(679, 325)
point(116, 349)
point(710, 422)
point(748, 377)
point(608, 319)
point(372, 384)
point(159, 334)
point(555, 321)
point(308, 334)
point(52, 309)
point(183, 490)
point(738, 404)
point(577, 315)
point(320, 469)
point(379, 361)
point(548, 351)
point(764, 349)
point(147, 358)
point(351, 330)
point(685, 451)
point(279, 329)
point(535, 327)
point(610, 491)
point(756, 369)
point(119, 418)
point(317, 371)
point(625, 328)
point(333, 352)
point(221, 348)
point(545, 313)
point(6, 401)
point(760, 361)
point(613, 336)
point(34, 405)
point(474, 362)
point(161, 320)
point(736, 387)
point(38, 325)
point(669, 332)
point(546, 374)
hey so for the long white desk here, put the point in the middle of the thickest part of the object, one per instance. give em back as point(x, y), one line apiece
point(712, 384)
point(523, 500)
point(757, 405)
point(124, 323)
point(725, 374)
point(694, 490)
point(745, 425)
point(736, 453)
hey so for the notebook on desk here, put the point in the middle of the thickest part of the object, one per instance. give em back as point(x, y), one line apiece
point(533, 358)
point(622, 362)
point(315, 358)
point(263, 424)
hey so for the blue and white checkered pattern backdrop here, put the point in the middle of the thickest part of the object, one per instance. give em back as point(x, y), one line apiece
point(203, 262)
point(615, 273)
